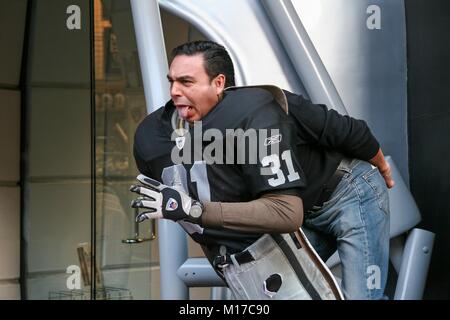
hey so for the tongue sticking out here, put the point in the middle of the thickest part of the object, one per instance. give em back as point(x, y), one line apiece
point(183, 111)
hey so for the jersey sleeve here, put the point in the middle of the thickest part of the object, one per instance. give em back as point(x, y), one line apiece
point(327, 128)
point(277, 168)
point(141, 165)
point(139, 159)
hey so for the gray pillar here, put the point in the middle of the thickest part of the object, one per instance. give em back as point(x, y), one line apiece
point(154, 67)
point(173, 252)
point(303, 55)
point(414, 269)
point(152, 52)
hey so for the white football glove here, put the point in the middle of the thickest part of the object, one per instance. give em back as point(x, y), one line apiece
point(164, 202)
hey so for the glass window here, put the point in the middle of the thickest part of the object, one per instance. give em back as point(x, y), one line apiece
point(77, 195)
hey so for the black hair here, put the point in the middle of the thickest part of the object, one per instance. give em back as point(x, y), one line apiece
point(216, 58)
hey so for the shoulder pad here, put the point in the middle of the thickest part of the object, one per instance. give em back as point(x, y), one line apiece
point(275, 91)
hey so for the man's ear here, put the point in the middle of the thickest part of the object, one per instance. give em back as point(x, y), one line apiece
point(219, 82)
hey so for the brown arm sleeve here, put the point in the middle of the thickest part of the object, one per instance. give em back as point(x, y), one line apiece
point(271, 213)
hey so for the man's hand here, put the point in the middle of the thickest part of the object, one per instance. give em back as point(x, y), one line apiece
point(385, 169)
point(387, 175)
point(164, 202)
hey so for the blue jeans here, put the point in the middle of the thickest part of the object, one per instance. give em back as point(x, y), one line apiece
point(355, 220)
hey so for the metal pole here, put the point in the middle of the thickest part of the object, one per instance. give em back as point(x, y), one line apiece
point(414, 269)
point(154, 67)
point(152, 52)
point(303, 55)
point(198, 272)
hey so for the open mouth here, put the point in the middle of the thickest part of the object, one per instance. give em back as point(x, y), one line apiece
point(184, 110)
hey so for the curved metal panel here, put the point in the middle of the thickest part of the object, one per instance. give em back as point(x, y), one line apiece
point(244, 29)
point(303, 54)
point(362, 44)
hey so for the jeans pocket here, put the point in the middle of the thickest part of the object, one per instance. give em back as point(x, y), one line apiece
point(376, 182)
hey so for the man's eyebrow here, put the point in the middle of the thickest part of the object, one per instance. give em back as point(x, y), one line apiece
point(179, 78)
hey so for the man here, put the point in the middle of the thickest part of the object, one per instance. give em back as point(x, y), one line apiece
point(238, 210)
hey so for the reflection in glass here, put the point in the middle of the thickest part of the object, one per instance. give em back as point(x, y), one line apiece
point(125, 262)
point(119, 108)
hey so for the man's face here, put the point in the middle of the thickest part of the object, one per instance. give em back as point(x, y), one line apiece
point(191, 90)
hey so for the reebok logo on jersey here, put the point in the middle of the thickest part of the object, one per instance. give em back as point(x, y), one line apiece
point(172, 205)
point(272, 140)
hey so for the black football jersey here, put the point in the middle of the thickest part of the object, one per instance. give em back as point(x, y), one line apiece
point(243, 148)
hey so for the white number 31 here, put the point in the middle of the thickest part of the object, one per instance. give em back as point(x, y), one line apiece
point(275, 166)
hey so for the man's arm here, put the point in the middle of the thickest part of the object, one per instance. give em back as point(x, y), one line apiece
point(141, 165)
point(320, 126)
point(328, 128)
point(271, 213)
point(276, 212)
